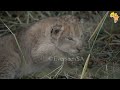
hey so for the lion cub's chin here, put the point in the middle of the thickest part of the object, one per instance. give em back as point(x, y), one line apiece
point(71, 53)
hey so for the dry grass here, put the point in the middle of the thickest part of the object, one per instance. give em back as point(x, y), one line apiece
point(105, 42)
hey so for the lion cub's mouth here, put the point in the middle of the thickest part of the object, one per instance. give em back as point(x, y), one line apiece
point(71, 53)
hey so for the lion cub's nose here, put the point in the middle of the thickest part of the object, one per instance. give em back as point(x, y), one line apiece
point(79, 48)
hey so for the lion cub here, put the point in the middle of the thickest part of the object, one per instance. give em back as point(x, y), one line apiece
point(50, 37)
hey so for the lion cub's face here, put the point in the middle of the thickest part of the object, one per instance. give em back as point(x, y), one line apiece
point(67, 35)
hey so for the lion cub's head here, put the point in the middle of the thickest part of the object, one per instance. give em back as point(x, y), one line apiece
point(67, 35)
point(64, 34)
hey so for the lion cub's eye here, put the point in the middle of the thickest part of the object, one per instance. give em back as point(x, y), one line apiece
point(69, 38)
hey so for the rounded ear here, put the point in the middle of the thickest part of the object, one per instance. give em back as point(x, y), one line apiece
point(55, 31)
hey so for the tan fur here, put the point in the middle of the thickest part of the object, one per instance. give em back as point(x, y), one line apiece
point(38, 44)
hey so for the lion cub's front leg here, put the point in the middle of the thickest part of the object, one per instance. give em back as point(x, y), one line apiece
point(8, 67)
